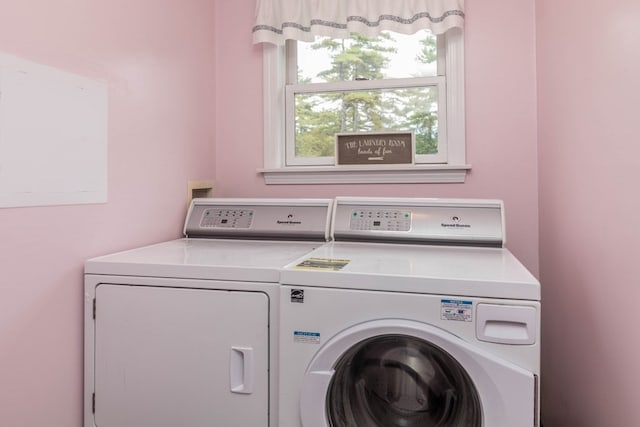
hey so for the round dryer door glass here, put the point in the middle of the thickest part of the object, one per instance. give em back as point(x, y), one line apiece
point(401, 381)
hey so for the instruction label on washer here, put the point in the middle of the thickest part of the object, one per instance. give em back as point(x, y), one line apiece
point(455, 309)
point(305, 337)
point(331, 264)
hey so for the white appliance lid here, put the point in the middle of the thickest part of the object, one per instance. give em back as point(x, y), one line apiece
point(445, 270)
point(217, 259)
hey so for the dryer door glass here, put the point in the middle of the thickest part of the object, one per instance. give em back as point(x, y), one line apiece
point(400, 380)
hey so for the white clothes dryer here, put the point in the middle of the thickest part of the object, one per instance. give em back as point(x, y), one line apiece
point(185, 333)
point(416, 315)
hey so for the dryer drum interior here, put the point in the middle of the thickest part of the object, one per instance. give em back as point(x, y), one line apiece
point(403, 381)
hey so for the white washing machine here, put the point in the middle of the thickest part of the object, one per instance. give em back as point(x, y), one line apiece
point(185, 333)
point(416, 315)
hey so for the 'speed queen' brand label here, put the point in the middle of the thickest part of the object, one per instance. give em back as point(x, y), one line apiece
point(290, 220)
point(455, 222)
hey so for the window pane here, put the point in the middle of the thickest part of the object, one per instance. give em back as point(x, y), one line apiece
point(389, 55)
point(319, 116)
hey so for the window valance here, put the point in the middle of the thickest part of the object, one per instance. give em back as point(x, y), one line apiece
point(279, 20)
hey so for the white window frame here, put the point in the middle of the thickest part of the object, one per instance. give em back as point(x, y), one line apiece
point(452, 128)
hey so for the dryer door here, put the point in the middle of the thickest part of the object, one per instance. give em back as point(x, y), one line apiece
point(403, 373)
point(167, 357)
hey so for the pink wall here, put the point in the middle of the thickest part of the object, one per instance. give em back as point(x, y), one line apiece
point(157, 58)
point(588, 68)
point(501, 117)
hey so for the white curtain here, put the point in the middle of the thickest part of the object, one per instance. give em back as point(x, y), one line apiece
point(279, 20)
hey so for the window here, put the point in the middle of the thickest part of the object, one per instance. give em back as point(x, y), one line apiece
point(385, 81)
point(392, 82)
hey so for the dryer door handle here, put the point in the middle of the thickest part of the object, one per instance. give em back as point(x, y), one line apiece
point(241, 370)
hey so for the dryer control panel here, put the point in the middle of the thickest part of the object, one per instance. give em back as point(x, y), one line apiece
point(291, 219)
point(470, 222)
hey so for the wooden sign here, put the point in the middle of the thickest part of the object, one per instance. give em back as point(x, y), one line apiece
point(375, 148)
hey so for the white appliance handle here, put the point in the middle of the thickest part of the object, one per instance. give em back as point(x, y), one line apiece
point(241, 370)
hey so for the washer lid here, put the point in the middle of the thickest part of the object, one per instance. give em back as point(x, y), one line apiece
point(446, 270)
point(220, 259)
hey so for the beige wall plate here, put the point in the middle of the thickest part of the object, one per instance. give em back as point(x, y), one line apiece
point(197, 189)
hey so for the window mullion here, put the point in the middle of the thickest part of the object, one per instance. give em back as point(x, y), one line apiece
point(365, 85)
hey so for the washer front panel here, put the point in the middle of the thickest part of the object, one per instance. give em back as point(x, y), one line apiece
point(312, 318)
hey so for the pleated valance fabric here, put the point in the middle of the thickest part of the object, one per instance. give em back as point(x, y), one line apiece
point(279, 20)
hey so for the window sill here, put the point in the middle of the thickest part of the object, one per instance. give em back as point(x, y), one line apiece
point(421, 174)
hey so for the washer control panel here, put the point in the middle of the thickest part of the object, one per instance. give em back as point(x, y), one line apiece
point(469, 222)
point(227, 218)
point(380, 219)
